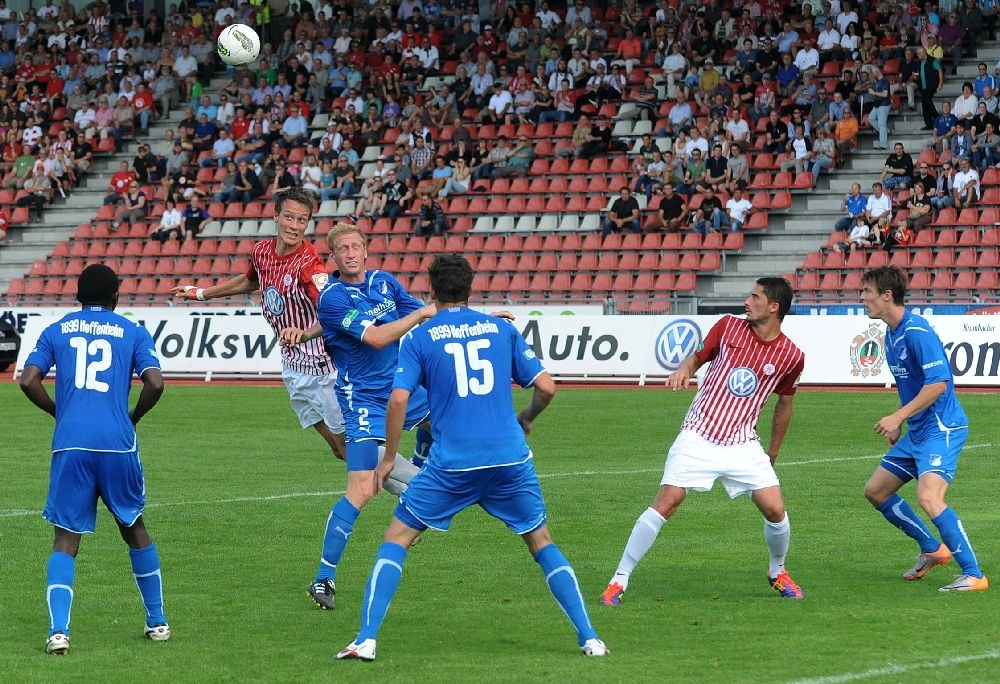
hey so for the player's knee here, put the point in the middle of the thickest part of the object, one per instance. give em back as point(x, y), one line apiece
point(875, 495)
point(931, 502)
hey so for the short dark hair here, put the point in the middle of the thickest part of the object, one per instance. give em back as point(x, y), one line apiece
point(97, 284)
point(451, 278)
point(778, 290)
point(293, 195)
point(888, 279)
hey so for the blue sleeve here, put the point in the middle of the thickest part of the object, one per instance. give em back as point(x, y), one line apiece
point(405, 302)
point(525, 365)
point(42, 356)
point(144, 356)
point(337, 314)
point(929, 354)
point(408, 367)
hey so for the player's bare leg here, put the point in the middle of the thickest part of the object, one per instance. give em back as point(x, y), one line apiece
point(336, 441)
point(668, 499)
point(777, 533)
point(146, 570)
point(881, 491)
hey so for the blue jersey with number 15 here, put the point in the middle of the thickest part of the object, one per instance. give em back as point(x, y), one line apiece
point(466, 360)
point(95, 351)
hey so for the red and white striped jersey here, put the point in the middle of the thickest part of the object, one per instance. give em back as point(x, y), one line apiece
point(744, 371)
point(289, 289)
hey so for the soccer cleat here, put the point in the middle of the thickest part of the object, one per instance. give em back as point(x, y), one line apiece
point(157, 632)
point(322, 592)
point(785, 585)
point(58, 644)
point(364, 651)
point(594, 648)
point(926, 561)
point(612, 596)
point(967, 583)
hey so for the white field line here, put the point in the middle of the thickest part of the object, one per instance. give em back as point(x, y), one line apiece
point(901, 669)
point(21, 512)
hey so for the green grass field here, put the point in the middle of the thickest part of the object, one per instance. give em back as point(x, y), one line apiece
point(239, 495)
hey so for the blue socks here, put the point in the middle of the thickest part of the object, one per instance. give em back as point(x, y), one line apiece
point(897, 511)
point(59, 592)
point(146, 568)
point(381, 587)
point(422, 449)
point(563, 585)
point(339, 526)
point(957, 542)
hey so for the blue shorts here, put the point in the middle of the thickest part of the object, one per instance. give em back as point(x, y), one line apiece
point(78, 477)
point(365, 428)
point(909, 459)
point(510, 493)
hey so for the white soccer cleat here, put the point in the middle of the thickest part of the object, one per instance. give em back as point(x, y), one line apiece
point(158, 632)
point(58, 644)
point(354, 651)
point(594, 648)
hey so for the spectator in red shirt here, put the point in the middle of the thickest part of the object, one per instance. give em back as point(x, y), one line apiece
point(142, 103)
point(119, 184)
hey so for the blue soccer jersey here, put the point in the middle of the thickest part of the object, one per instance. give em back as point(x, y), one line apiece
point(96, 351)
point(917, 358)
point(463, 358)
point(346, 311)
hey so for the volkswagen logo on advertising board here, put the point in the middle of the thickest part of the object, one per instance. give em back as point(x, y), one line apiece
point(677, 341)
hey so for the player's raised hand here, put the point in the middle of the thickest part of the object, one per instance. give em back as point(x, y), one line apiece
point(679, 379)
point(428, 311)
point(506, 315)
point(188, 292)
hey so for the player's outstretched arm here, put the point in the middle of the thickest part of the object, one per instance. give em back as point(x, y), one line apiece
point(234, 286)
point(31, 385)
point(395, 419)
point(779, 425)
point(289, 337)
point(544, 390)
point(152, 390)
point(380, 336)
point(681, 377)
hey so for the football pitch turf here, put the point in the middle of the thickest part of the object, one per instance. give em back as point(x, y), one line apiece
point(238, 497)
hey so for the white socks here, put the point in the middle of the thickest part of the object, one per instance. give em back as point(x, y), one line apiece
point(776, 536)
point(647, 527)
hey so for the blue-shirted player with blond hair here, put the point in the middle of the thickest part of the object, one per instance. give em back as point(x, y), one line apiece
point(467, 361)
point(95, 453)
point(929, 450)
point(361, 315)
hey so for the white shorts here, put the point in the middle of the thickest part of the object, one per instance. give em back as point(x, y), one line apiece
point(313, 399)
point(695, 464)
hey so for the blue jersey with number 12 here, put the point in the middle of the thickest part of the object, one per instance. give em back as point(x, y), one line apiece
point(95, 351)
point(466, 360)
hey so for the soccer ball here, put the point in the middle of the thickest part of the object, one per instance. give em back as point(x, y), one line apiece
point(238, 44)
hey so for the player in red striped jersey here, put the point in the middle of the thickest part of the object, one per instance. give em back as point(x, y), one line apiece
point(750, 359)
point(290, 273)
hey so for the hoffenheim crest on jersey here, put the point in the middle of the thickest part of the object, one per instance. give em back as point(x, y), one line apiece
point(679, 340)
point(273, 301)
point(742, 381)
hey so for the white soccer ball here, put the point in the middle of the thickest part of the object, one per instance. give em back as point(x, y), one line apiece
point(238, 45)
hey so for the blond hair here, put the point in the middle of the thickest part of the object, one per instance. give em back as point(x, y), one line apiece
point(341, 229)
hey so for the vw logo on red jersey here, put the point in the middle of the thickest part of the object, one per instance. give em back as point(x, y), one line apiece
point(679, 340)
point(273, 301)
point(742, 381)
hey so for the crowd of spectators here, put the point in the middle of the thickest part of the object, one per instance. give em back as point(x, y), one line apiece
point(717, 81)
